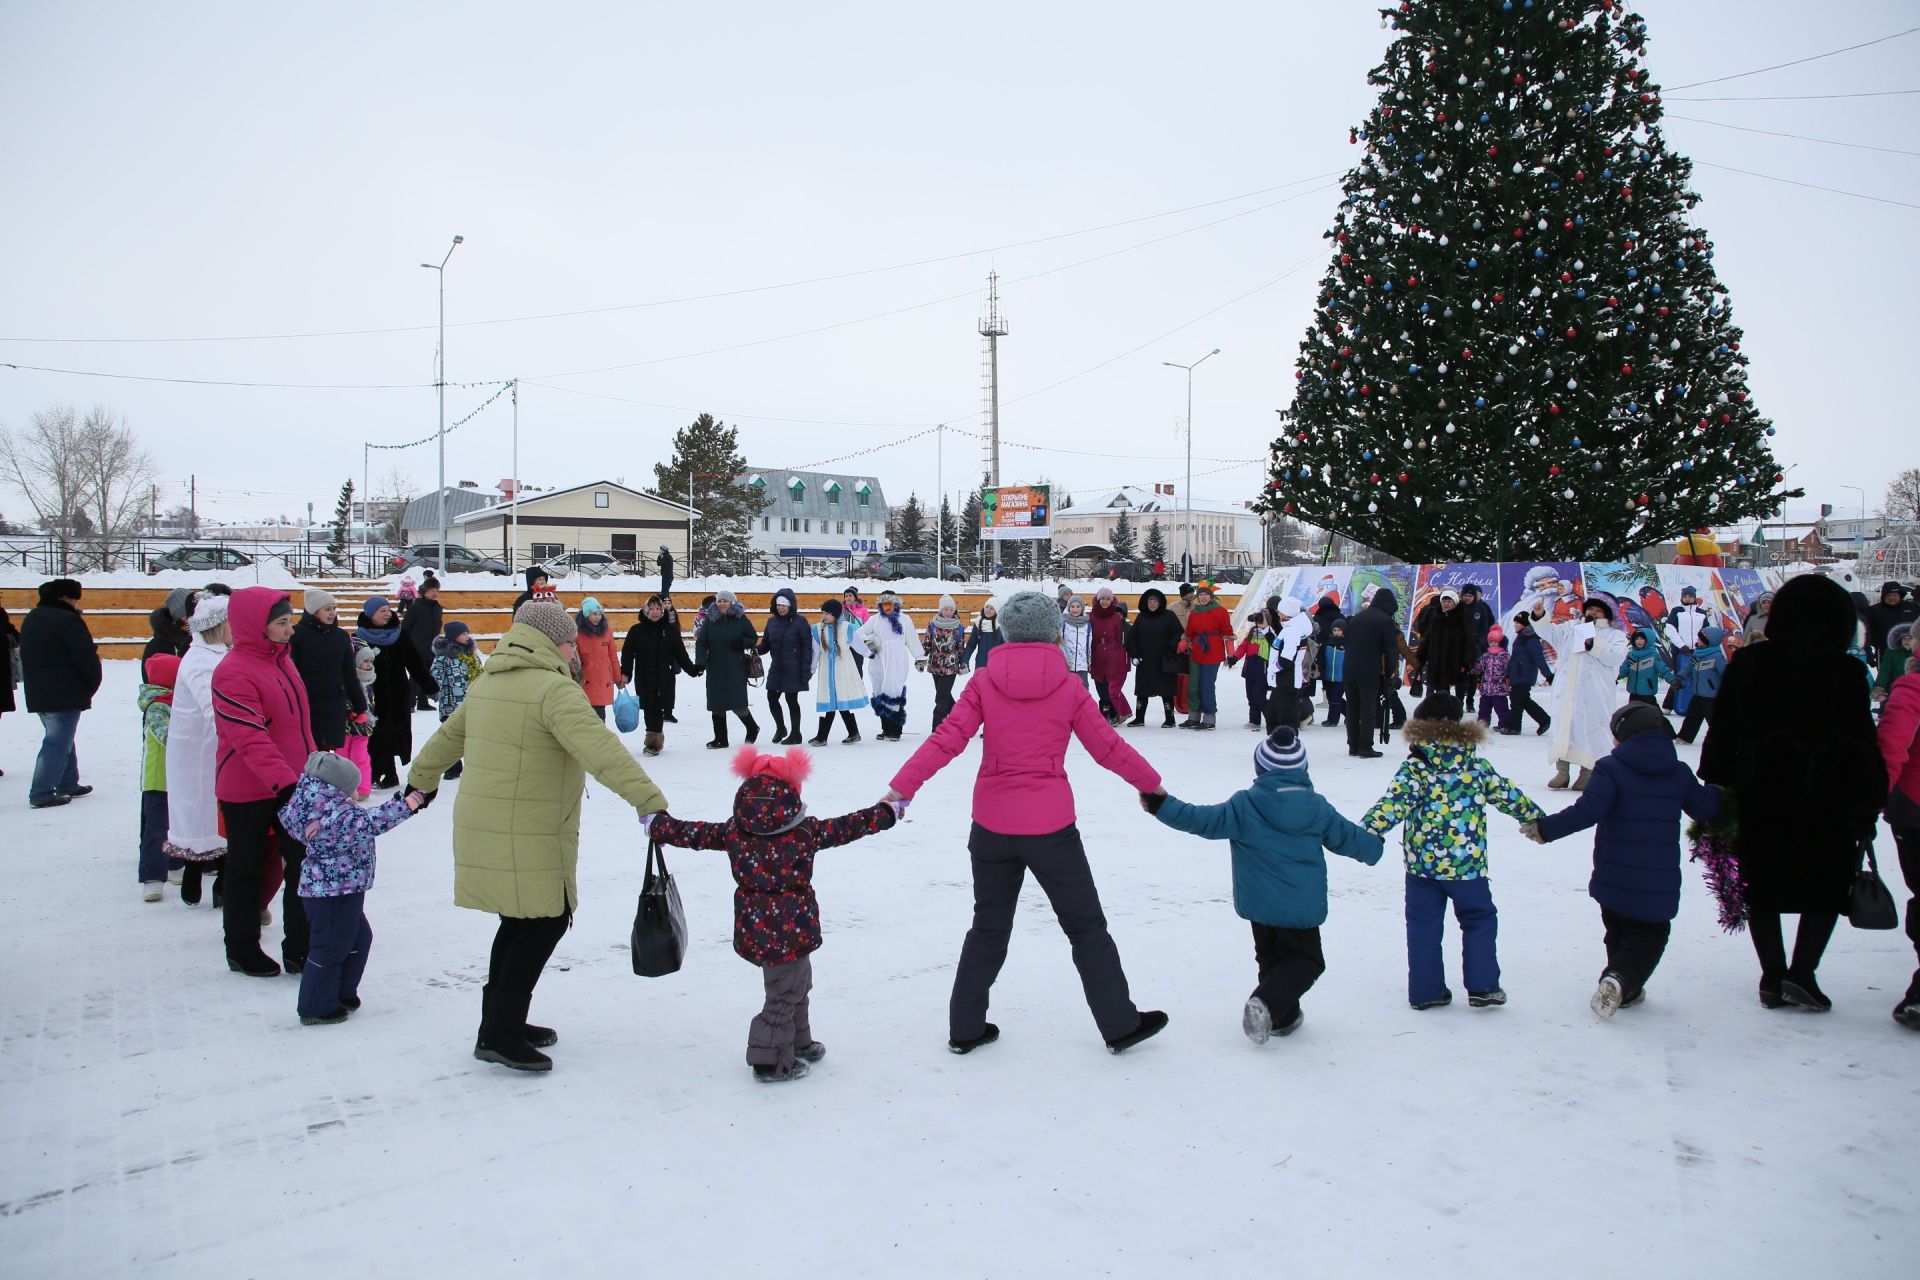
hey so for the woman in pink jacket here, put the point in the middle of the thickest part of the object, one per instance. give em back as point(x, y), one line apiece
point(1023, 819)
point(1900, 746)
point(263, 736)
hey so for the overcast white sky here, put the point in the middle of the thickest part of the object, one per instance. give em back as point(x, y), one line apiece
point(194, 170)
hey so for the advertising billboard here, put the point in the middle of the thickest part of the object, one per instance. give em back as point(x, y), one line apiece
point(1016, 511)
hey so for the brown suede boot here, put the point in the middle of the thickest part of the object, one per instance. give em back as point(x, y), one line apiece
point(654, 742)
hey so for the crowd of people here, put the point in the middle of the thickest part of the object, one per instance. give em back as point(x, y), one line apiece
point(265, 735)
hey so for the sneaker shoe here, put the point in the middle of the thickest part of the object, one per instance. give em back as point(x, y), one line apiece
point(1486, 999)
point(812, 1051)
point(1608, 998)
point(514, 1055)
point(1256, 1020)
point(987, 1036)
point(780, 1075)
point(1152, 1023)
point(152, 890)
point(1446, 998)
point(324, 1019)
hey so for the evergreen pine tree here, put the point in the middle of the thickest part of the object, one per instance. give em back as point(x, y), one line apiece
point(949, 531)
point(342, 522)
point(1125, 545)
point(909, 532)
point(1521, 347)
point(1155, 548)
point(970, 527)
point(710, 451)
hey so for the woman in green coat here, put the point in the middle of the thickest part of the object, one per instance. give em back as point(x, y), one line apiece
point(529, 739)
point(720, 648)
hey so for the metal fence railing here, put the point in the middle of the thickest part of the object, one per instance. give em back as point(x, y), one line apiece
point(234, 558)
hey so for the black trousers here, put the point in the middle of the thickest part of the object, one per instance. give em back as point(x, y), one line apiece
point(1634, 948)
point(942, 698)
point(1699, 712)
point(1809, 944)
point(1336, 702)
point(720, 725)
point(1363, 714)
point(1290, 963)
point(1907, 841)
point(1524, 708)
point(1059, 862)
point(1647, 698)
point(791, 720)
point(521, 949)
point(250, 825)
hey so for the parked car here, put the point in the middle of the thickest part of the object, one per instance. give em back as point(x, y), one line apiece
point(199, 559)
point(590, 563)
point(1228, 573)
point(1123, 570)
point(459, 560)
point(889, 566)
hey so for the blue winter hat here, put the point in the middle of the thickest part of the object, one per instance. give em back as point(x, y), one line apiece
point(1281, 751)
point(454, 630)
point(591, 606)
point(374, 605)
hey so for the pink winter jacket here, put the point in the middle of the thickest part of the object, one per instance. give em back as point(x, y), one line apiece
point(1030, 706)
point(261, 726)
point(1900, 736)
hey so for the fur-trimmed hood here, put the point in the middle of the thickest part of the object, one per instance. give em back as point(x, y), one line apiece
point(1454, 733)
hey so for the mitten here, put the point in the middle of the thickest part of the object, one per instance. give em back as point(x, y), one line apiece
point(1152, 800)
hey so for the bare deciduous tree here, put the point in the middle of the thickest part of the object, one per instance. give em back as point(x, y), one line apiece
point(45, 463)
point(397, 487)
point(1902, 502)
point(118, 475)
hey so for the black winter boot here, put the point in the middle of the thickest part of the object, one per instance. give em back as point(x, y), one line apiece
point(719, 742)
point(1167, 723)
point(819, 739)
point(1152, 1023)
point(753, 728)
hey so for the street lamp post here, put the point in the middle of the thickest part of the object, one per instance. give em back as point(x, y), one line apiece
point(1189, 368)
point(440, 384)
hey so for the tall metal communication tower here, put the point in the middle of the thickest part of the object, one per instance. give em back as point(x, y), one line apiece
point(993, 327)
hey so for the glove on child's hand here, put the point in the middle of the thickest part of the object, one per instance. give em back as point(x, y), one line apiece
point(1531, 830)
point(426, 797)
point(646, 823)
point(1152, 800)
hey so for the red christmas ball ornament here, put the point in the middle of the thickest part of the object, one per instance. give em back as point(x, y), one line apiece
point(1342, 237)
point(1566, 277)
point(1606, 151)
point(1567, 225)
point(1613, 302)
point(1733, 346)
point(1441, 118)
point(1554, 470)
point(1403, 477)
point(1346, 351)
point(1642, 499)
point(1625, 369)
point(1289, 508)
point(1303, 437)
point(1626, 193)
point(1779, 479)
point(1499, 297)
point(1663, 311)
point(1519, 232)
point(1572, 333)
point(1725, 418)
point(1375, 478)
point(1366, 391)
point(1493, 151)
point(1369, 278)
point(1412, 280)
point(1466, 353)
point(1580, 175)
point(1346, 259)
point(1519, 79)
point(1553, 409)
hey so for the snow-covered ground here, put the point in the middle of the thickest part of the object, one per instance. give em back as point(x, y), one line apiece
point(164, 1117)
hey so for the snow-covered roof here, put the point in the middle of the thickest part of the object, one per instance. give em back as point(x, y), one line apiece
point(1135, 500)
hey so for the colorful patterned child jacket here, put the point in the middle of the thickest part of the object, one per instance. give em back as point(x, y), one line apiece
point(339, 836)
point(1491, 667)
point(770, 842)
point(156, 717)
point(1441, 793)
point(455, 666)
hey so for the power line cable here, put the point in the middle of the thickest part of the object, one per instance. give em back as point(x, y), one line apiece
point(708, 297)
point(219, 382)
point(1815, 57)
point(1812, 186)
point(921, 306)
point(1798, 137)
point(1800, 97)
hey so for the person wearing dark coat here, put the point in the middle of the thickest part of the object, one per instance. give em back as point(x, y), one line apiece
point(665, 561)
point(322, 653)
point(1479, 621)
point(61, 667)
point(1793, 739)
point(1153, 642)
point(653, 654)
point(425, 617)
point(536, 579)
point(1373, 656)
point(721, 644)
point(1525, 668)
point(787, 644)
point(395, 663)
point(169, 623)
point(9, 647)
point(1895, 607)
point(1634, 800)
point(1447, 649)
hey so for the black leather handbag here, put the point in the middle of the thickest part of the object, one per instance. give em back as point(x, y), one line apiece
point(660, 923)
point(1870, 906)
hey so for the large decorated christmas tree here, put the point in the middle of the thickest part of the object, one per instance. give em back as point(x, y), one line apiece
point(1520, 347)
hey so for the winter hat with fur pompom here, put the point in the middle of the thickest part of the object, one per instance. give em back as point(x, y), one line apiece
point(1029, 617)
point(768, 800)
point(208, 613)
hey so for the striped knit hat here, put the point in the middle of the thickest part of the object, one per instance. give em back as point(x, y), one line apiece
point(1281, 750)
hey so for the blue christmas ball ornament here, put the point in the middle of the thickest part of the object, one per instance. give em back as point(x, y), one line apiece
point(1479, 402)
point(1516, 484)
point(1539, 332)
point(1506, 6)
point(1389, 139)
point(1633, 273)
point(1579, 220)
point(1680, 390)
point(1632, 407)
point(1419, 157)
point(1576, 442)
point(1539, 253)
point(1769, 430)
point(1413, 368)
point(1605, 173)
point(1387, 285)
point(1484, 117)
point(1473, 264)
point(1656, 289)
point(1424, 308)
point(1580, 293)
point(1586, 108)
point(1709, 254)
point(1632, 327)
point(1366, 455)
point(1687, 465)
point(1553, 186)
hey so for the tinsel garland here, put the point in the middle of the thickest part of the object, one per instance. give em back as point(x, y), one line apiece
point(1714, 847)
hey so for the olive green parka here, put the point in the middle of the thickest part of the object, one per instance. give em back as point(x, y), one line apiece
point(529, 739)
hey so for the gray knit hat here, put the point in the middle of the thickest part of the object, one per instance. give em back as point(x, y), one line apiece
point(1281, 750)
point(550, 619)
point(319, 598)
point(1029, 617)
point(180, 603)
point(337, 770)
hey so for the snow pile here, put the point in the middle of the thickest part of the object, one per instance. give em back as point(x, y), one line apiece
point(168, 1118)
point(261, 573)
